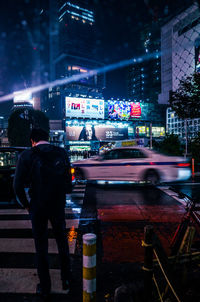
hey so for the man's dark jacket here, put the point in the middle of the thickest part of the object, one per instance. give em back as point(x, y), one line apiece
point(25, 178)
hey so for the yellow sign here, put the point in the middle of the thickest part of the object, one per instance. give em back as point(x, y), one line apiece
point(129, 143)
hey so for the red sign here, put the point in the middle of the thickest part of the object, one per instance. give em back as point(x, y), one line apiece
point(135, 110)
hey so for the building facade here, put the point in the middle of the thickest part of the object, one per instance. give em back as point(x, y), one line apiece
point(144, 83)
point(180, 44)
point(71, 52)
point(144, 75)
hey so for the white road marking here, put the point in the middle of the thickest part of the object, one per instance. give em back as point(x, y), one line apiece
point(26, 224)
point(26, 245)
point(24, 281)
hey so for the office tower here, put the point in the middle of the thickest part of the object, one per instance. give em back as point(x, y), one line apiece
point(180, 46)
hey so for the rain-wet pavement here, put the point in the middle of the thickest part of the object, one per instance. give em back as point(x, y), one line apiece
point(121, 213)
point(118, 215)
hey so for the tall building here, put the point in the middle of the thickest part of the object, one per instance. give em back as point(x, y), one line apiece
point(144, 75)
point(72, 51)
point(180, 44)
point(144, 82)
point(72, 41)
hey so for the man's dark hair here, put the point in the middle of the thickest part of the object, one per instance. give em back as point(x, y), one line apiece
point(38, 134)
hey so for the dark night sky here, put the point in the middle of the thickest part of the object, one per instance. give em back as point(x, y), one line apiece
point(116, 36)
point(118, 24)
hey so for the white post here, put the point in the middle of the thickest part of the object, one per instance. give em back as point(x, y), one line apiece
point(89, 267)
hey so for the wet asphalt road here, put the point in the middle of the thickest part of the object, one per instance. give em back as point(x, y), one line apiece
point(118, 215)
point(120, 212)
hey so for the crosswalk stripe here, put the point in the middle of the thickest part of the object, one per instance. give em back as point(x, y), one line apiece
point(78, 190)
point(20, 212)
point(71, 209)
point(79, 194)
point(80, 186)
point(25, 280)
point(27, 233)
point(13, 211)
point(26, 224)
point(19, 245)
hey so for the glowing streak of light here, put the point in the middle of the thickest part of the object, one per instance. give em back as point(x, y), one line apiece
point(77, 77)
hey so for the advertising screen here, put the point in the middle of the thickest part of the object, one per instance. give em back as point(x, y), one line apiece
point(118, 110)
point(124, 110)
point(115, 134)
point(20, 97)
point(135, 110)
point(84, 107)
point(93, 133)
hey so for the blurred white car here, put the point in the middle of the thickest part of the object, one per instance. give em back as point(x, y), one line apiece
point(133, 164)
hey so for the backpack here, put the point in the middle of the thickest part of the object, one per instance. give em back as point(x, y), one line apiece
point(50, 174)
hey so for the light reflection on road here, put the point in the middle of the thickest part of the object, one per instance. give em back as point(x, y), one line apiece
point(124, 211)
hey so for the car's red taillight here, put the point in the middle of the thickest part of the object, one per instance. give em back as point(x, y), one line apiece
point(183, 165)
point(73, 174)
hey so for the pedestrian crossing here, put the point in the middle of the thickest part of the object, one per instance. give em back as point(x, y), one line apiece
point(17, 251)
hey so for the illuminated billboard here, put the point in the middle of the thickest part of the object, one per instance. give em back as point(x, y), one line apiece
point(118, 110)
point(84, 107)
point(142, 111)
point(135, 110)
point(22, 96)
point(124, 110)
point(94, 133)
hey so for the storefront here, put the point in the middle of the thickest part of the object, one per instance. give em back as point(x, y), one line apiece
point(144, 131)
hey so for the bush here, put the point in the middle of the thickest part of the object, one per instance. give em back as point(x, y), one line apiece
point(171, 145)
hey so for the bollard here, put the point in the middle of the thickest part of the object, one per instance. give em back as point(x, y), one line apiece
point(89, 267)
point(148, 262)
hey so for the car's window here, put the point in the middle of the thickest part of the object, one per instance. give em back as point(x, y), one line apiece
point(114, 154)
point(8, 158)
point(131, 153)
point(124, 154)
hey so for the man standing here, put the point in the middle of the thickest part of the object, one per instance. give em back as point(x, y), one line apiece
point(45, 170)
